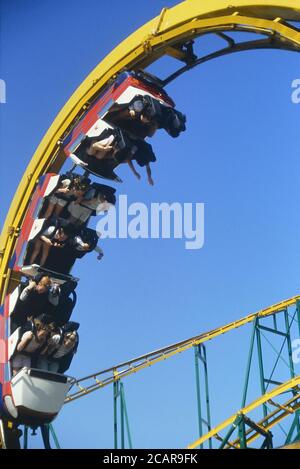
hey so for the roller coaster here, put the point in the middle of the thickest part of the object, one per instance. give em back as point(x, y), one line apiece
point(101, 110)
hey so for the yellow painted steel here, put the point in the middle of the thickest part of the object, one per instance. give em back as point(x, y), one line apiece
point(183, 22)
point(137, 364)
point(276, 416)
point(293, 383)
point(158, 37)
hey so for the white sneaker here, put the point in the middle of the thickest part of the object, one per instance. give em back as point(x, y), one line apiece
point(77, 161)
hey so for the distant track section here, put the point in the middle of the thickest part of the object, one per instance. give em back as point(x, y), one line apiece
point(103, 378)
point(263, 426)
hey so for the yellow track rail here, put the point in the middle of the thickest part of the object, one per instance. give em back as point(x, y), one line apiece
point(273, 418)
point(183, 22)
point(289, 385)
point(108, 376)
point(158, 37)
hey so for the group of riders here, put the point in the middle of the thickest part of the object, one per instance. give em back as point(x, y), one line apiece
point(48, 339)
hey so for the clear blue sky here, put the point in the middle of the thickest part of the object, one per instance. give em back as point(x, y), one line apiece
point(239, 156)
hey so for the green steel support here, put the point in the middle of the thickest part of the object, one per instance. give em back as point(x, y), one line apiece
point(290, 352)
point(203, 358)
point(276, 383)
point(291, 430)
point(119, 393)
point(289, 344)
point(287, 337)
point(268, 442)
point(200, 356)
point(242, 433)
point(289, 364)
point(297, 438)
point(116, 394)
point(275, 321)
point(269, 329)
point(298, 315)
point(25, 437)
point(53, 434)
point(122, 419)
point(125, 414)
point(249, 364)
point(261, 367)
point(298, 320)
point(196, 348)
point(230, 432)
point(279, 354)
